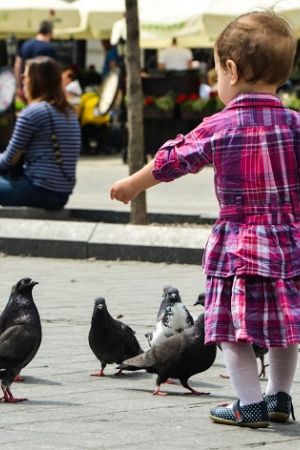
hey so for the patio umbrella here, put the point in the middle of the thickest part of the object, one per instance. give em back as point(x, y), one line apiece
point(96, 19)
point(22, 17)
point(160, 20)
point(219, 13)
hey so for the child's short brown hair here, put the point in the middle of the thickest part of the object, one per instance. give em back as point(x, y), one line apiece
point(262, 45)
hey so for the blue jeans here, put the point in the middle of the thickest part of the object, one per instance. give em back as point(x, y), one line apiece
point(20, 193)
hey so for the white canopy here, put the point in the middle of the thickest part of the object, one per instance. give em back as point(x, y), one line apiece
point(195, 23)
point(96, 19)
point(160, 20)
point(220, 13)
point(22, 17)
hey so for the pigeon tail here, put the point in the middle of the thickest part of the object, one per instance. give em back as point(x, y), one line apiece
point(136, 363)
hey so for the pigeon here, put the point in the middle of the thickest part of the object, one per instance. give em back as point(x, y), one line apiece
point(259, 351)
point(111, 340)
point(164, 302)
point(160, 312)
point(20, 335)
point(175, 319)
point(179, 357)
point(200, 299)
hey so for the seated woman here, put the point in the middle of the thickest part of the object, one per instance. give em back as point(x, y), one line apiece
point(46, 142)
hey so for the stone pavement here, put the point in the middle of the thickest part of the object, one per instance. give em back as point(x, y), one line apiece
point(84, 228)
point(67, 408)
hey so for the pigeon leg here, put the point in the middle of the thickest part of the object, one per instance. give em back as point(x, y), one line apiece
point(9, 398)
point(99, 374)
point(18, 378)
point(170, 381)
point(119, 373)
point(224, 376)
point(158, 392)
point(192, 391)
point(263, 366)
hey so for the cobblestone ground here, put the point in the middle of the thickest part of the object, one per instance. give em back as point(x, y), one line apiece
point(67, 408)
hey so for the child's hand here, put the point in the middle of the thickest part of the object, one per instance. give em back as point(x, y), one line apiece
point(123, 191)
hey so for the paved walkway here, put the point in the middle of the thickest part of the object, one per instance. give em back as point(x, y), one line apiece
point(193, 194)
point(40, 235)
point(69, 409)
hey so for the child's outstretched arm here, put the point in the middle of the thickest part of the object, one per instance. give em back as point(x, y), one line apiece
point(129, 187)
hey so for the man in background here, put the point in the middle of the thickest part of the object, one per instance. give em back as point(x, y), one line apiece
point(175, 58)
point(38, 46)
point(112, 58)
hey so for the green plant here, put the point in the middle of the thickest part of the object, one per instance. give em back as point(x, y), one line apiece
point(165, 102)
point(194, 103)
point(292, 102)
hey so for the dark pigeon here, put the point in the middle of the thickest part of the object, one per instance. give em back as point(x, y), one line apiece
point(200, 299)
point(20, 335)
point(259, 351)
point(110, 340)
point(179, 357)
point(174, 321)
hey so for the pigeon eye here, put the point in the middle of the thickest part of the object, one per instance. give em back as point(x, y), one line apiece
point(22, 282)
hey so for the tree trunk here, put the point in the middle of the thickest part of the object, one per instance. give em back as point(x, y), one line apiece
point(136, 154)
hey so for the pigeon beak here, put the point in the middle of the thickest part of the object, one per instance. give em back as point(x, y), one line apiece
point(100, 306)
point(33, 283)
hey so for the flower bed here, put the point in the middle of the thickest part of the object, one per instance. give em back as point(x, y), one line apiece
point(182, 105)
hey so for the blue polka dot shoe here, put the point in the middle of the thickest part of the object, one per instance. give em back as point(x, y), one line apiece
point(254, 415)
point(280, 406)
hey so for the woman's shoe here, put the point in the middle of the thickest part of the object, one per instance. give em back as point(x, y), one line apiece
point(280, 406)
point(254, 415)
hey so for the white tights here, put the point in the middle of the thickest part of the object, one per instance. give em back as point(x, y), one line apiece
point(241, 365)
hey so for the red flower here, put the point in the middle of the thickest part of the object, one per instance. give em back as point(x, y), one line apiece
point(181, 98)
point(148, 101)
point(213, 94)
point(193, 96)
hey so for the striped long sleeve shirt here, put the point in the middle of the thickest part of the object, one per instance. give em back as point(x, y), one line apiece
point(32, 134)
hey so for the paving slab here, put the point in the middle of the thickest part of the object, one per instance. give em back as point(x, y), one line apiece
point(68, 408)
point(91, 225)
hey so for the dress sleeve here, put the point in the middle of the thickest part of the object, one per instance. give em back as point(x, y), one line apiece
point(183, 155)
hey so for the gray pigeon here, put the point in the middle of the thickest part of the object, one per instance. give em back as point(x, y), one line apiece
point(20, 335)
point(259, 351)
point(179, 357)
point(110, 340)
point(175, 319)
point(161, 311)
point(164, 302)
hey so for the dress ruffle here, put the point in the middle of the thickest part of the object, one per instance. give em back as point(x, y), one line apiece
point(253, 249)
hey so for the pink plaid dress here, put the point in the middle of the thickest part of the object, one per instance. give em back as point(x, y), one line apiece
point(252, 257)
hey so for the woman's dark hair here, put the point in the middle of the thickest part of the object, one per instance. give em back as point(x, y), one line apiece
point(45, 82)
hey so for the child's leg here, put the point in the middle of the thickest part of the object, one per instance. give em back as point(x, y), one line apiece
point(241, 364)
point(282, 367)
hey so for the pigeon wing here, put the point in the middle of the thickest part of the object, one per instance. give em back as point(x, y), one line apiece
point(131, 344)
point(16, 346)
point(189, 318)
